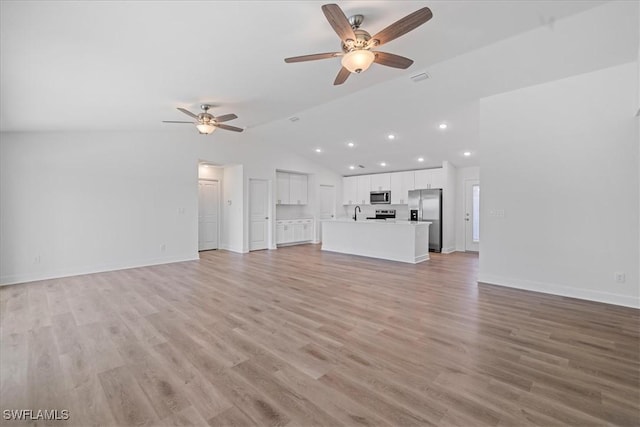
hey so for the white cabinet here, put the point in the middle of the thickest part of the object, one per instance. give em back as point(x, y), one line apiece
point(291, 189)
point(298, 231)
point(401, 184)
point(307, 232)
point(349, 190)
point(282, 188)
point(279, 232)
point(437, 178)
point(291, 231)
point(429, 178)
point(364, 190)
point(298, 189)
point(381, 182)
point(356, 189)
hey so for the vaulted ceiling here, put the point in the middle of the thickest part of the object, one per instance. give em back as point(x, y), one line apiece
point(97, 65)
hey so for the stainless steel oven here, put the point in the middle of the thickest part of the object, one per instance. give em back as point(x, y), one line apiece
point(380, 197)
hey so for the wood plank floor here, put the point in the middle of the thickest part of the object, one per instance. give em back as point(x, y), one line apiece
point(301, 337)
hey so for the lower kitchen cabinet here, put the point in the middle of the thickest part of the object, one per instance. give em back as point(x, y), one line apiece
point(290, 231)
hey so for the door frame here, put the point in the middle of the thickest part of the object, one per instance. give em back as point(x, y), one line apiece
point(218, 214)
point(468, 183)
point(269, 210)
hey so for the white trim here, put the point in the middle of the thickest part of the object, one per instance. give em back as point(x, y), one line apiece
point(232, 249)
point(219, 210)
point(448, 250)
point(565, 291)
point(270, 214)
point(33, 277)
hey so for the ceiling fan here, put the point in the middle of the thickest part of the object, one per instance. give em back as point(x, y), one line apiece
point(357, 44)
point(206, 123)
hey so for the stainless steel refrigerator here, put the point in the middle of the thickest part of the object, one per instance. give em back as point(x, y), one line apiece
point(426, 205)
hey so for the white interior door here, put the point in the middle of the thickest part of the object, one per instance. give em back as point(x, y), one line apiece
point(208, 207)
point(258, 214)
point(472, 215)
point(327, 205)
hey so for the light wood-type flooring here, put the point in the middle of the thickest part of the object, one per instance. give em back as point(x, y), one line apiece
point(301, 337)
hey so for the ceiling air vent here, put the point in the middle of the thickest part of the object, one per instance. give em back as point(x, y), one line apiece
point(294, 119)
point(419, 77)
point(361, 167)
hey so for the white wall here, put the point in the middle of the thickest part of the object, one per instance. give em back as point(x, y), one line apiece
point(449, 196)
point(232, 228)
point(81, 202)
point(462, 176)
point(561, 160)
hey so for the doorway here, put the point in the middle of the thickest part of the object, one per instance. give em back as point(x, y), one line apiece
point(327, 206)
point(472, 215)
point(259, 223)
point(208, 214)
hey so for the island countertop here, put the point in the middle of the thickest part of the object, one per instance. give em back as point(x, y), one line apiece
point(380, 221)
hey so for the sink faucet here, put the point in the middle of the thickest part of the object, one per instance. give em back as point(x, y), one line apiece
point(357, 208)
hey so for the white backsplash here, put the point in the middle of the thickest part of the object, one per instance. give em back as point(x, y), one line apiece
point(293, 212)
point(402, 211)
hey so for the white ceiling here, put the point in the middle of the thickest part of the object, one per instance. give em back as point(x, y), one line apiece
point(127, 65)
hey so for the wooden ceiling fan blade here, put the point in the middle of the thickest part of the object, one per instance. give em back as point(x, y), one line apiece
point(342, 76)
point(188, 113)
point(225, 118)
point(313, 57)
point(392, 60)
point(175, 121)
point(338, 21)
point(227, 127)
point(403, 26)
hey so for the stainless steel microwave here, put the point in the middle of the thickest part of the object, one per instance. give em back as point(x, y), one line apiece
point(380, 197)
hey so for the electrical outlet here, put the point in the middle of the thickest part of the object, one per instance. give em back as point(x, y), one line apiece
point(163, 247)
point(619, 277)
point(36, 259)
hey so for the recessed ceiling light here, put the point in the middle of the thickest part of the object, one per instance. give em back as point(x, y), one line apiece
point(421, 159)
point(383, 164)
point(352, 167)
point(442, 126)
point(391, 136)
point(318, 150)
point(467, 153)
point(351, 144)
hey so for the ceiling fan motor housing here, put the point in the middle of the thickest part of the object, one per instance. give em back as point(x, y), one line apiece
point(361, 41)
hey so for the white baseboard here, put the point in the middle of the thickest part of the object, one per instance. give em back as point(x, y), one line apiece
point(565, 291)
point(233, 249)
point(448, 250)
point(47, 275)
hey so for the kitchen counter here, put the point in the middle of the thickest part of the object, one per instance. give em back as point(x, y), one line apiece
point(395, 240)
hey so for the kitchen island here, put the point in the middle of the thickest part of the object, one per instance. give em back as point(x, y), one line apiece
point(395, 240)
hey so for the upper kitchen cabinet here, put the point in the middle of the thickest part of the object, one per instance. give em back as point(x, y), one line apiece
point(364, 190)
point(349, 190)
point(292, 188)
point(282, 188)
point(429, 178)
point(401, 184)
point(381, 182)
point(298, 190)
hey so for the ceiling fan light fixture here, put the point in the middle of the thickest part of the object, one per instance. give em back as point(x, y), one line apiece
point(205, 128)
point(358, 60)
